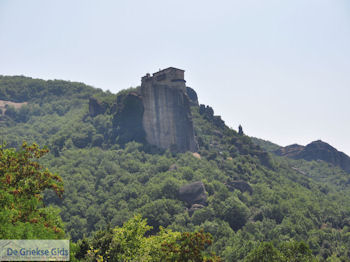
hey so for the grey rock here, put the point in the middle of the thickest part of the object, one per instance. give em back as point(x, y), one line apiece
point(127, 122)
point(193, 193)
point(192, 95)
point(167, 119)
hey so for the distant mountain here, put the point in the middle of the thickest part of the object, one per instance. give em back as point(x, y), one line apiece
point(317, 150)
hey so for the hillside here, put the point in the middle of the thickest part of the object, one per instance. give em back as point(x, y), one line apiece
point(317, 150)
point(109, 175)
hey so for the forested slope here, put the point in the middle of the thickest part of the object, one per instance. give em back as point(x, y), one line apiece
point(106, 183)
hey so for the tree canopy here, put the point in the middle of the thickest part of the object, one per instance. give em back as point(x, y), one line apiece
point(22, 181)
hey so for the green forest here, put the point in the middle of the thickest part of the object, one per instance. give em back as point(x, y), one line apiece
point(65, 173)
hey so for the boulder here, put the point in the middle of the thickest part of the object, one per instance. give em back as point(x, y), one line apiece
point(196, 155)
point(193, 193)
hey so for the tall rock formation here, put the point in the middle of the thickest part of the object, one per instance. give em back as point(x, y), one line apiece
point(127, 121)
point(167, 119)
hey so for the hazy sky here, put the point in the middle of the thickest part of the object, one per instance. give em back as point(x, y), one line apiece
point(280, 68)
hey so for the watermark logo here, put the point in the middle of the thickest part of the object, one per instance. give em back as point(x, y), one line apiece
point(34, 250)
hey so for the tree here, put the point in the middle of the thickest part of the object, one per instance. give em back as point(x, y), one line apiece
point(130, 243)
point(234, 211)
point(291, 251)
point(296, 251)
point(189, 246)
point(22, 181)
point(265, 252)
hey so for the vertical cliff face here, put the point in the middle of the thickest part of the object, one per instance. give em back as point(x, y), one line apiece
point(167, 119)
point(127, 121)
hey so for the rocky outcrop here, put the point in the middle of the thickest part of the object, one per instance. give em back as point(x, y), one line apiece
point(193, 193)
point(317, 150)
point(127, 121)
point(96, 107)
point(192, 95)
point(208, 113)
point(291, 151)
point(158, 113)
point(167, 119)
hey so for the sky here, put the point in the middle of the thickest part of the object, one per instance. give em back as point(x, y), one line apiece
point(281, 69)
